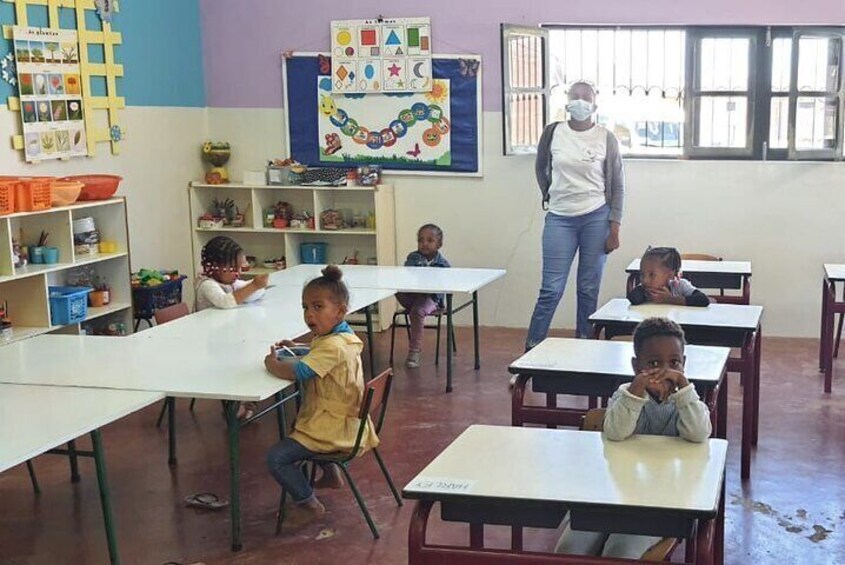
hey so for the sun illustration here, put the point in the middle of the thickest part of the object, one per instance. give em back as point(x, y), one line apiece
point(439, 92)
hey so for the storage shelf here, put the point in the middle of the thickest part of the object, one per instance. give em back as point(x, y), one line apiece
point(23, 332)
point(39, 269)
point(283, 187)
point(74, 206)
point(99, 312)
point(348, 231)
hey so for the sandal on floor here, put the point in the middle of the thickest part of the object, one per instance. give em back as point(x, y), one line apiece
point(206, 500)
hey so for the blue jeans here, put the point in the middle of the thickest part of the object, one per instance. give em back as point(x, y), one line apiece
point(562, 237)
point(283, 461)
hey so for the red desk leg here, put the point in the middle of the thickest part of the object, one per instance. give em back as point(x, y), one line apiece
point(517, 399)
point(747, 406)
point(823, 328)
point(758, 354)
point(417, 530)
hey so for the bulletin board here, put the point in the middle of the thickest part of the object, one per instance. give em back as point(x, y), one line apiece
point(414, 133)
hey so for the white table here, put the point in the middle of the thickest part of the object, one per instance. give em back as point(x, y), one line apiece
point(708, 274)
point(596, 368)
point(423, 280)
point(37, 419)
point(828, 344)
point(648, 485)
point(726, 325)
point(217, 366)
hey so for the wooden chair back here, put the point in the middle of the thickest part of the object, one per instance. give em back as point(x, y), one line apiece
point(170, 313)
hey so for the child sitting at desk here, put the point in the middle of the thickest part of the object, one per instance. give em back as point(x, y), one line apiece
point(331, 383)
point(660, 283)
point(659, 401)
point(219, 285)
point(418, 306)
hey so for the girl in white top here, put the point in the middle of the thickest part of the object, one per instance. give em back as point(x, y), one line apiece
point(218, 286)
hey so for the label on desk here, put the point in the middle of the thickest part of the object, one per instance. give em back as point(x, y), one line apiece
point(442, 484)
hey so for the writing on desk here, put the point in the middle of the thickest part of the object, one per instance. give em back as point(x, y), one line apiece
point(444, 485)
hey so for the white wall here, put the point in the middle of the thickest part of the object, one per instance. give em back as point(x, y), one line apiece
point(784, 217)
point(159, 156)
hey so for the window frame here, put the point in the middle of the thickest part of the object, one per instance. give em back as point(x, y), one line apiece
point(759, 93)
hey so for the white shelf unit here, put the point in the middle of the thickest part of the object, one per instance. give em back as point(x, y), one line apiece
point(26, 288)
point(267, 242)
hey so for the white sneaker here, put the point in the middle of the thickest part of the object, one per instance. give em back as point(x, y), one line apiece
point(413, 360)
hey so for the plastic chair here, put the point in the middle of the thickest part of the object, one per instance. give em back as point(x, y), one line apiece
point(437, 314)
point(162, 316)
point(593, 421)
point(376, 395)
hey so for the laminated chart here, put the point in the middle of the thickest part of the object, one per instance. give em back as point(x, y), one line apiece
point(382, 55)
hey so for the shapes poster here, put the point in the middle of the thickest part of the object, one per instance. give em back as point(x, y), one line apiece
point(50, 88)
point(396, 128)
point(383, 55)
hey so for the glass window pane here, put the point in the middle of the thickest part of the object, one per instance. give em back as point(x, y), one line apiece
point(815, 123)
point(779, 123)
point(781, 63)
point(525, 119)
point(723, 64)
point(818, 64)
point(722, 121)
point(525, 55)
point(645, 125)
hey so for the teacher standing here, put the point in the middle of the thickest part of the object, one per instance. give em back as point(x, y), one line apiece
point(579, 170)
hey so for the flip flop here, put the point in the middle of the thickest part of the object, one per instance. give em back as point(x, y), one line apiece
point(206, 500)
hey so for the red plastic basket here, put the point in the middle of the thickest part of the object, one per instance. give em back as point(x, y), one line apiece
point(33, 194)
point(7, 197)
point(97, 187)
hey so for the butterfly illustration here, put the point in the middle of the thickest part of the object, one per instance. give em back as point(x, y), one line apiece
point(325, 64)
point(416, 152)
point(469, 67)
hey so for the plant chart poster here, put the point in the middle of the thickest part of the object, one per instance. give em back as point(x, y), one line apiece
point(50, 89)
point(381, 55)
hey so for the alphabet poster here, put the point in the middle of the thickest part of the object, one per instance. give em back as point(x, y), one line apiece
point(383, 55)
point(50, 88)
point(436, 132)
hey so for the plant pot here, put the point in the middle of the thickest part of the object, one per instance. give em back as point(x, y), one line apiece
point(98, 298)
point(280, 223)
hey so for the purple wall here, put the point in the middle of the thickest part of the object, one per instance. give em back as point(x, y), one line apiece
point(243, 40)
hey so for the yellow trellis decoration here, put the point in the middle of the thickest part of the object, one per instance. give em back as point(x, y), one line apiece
point(111, 102)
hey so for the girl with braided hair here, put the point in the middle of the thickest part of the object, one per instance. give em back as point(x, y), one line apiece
point(219, 285)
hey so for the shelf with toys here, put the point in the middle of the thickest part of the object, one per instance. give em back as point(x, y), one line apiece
point(53, 252)
point(285, 225)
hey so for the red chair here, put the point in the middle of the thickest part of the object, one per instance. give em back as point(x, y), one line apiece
point(376, 395)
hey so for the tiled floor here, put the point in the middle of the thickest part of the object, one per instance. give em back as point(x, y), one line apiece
point(792, 510)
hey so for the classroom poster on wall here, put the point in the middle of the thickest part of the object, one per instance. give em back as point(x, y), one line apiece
point(381, 55)
point(430, 133)
point(385, 128)
point(50, 89)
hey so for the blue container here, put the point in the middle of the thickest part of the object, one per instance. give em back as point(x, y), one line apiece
point(68, 304)
point(313, 253)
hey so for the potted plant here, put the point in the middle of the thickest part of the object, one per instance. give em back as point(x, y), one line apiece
point(224, 209)
point(101, 295)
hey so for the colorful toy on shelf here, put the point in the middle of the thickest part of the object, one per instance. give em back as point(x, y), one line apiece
point(217, 154)
point(282, 214)
point(331, 220)
point(278, 171)
point(352, 260)
point(369, 175)
point(276, 264)
point(224, 209)
point(302, 220)
point(153, 277)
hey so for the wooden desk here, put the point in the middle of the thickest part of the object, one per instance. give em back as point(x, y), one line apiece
point(215, 366)
point(606, 485)
point(596, 368)
point(422, 280)
point(708, 275)
point(37, 419)
point(828, 345)
point(724, 325)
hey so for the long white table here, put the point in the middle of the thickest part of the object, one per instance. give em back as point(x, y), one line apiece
point(422, 280)
point(648, 485)
point(595, 368)
point(725, 325)
point(216, 366)
point(37, 419)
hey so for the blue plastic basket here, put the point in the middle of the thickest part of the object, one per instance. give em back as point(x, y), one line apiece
point(313, 253)
point(147, 299)
point(68, 304)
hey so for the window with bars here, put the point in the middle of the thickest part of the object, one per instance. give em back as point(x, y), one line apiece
point(691, 92)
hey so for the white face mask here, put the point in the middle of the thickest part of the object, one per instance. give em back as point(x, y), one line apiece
point(580, 110)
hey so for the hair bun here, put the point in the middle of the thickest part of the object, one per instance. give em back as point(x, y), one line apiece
point(333, 273)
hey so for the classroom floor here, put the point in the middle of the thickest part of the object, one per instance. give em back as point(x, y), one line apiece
point(792, 510)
